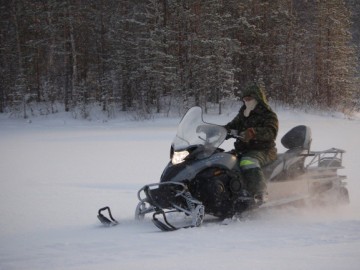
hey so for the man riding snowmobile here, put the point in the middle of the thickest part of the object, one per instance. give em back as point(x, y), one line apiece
point(203, 179)
point(257, 127)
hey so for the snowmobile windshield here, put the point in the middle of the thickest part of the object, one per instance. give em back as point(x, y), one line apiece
point(193, 132)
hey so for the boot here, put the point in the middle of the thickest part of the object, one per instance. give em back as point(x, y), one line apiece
point(255, 184)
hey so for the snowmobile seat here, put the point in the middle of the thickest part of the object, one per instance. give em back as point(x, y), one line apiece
point(290, 163)
point(297, 137)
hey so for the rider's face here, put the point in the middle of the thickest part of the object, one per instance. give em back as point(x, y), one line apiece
point(247, 98)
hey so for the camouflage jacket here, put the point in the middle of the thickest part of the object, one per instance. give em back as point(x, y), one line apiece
point(265, 124)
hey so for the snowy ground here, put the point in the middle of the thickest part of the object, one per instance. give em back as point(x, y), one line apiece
point(55, 174)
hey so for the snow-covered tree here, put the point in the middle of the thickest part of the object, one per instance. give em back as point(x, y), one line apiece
point(153, 55)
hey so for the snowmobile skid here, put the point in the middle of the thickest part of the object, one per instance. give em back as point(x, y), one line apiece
point(202, 179)
point(104, 220)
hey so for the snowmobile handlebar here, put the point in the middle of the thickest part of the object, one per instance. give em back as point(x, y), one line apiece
point(233, 134)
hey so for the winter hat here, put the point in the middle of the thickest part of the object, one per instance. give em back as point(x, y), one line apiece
point(257, 92)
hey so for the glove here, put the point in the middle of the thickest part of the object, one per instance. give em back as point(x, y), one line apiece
point(247, 135)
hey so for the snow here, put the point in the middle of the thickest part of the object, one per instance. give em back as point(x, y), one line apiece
point(56, 173)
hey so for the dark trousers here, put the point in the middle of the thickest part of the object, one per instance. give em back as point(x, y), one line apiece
point(251, 163)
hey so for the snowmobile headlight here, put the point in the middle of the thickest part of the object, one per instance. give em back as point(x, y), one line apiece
point(179, 157)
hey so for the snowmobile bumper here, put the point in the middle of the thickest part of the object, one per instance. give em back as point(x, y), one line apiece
point(162, 199)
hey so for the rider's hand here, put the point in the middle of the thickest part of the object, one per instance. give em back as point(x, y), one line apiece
point(247, 135)
point(231, 134)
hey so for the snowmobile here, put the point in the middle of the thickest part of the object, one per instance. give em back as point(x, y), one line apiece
point(202, 179)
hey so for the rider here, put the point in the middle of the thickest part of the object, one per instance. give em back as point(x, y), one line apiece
point(257, 127)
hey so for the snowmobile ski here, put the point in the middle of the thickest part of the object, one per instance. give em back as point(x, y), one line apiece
point(164, 226)
point(196, 216)
point(104, 220)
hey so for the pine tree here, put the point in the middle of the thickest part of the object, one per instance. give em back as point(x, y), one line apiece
point(334, 56)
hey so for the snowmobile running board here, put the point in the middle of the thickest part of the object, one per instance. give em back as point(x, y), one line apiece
point(104, 220)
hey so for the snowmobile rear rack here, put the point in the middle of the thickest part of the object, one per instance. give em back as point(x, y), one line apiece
point(104, 220)
point(331, 158)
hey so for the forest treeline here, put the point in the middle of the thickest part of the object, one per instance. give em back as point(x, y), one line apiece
point(150, 55)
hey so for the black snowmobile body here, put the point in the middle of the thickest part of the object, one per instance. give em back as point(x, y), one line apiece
point(202, 179)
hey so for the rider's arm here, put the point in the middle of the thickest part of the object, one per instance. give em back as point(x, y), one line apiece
point(268, 131)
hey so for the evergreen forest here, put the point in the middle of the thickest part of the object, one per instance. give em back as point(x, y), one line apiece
point(148, 56)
